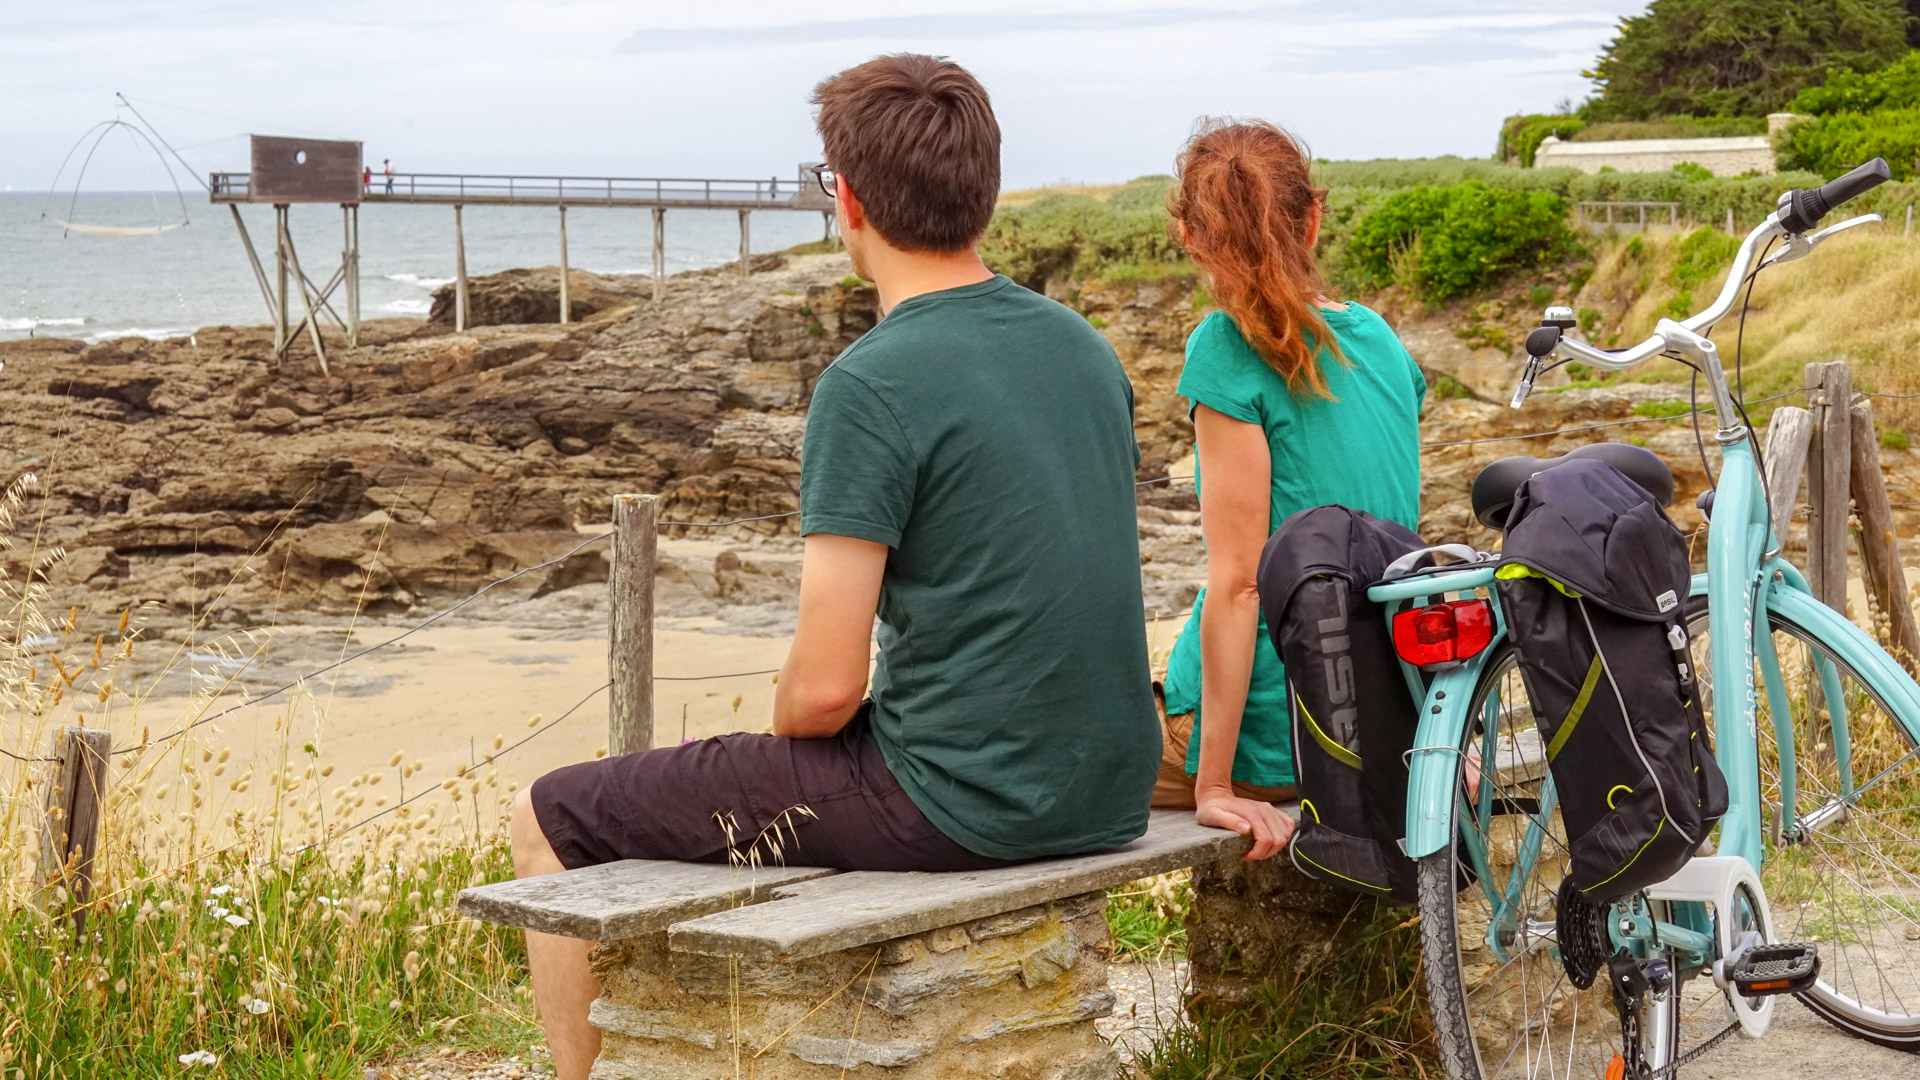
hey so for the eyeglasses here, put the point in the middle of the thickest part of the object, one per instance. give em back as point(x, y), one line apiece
point(828, 184)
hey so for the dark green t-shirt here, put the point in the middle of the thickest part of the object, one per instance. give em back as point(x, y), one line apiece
point(985, 435)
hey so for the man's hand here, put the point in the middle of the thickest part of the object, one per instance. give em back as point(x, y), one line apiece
point(825, 676)
point(1269, 826)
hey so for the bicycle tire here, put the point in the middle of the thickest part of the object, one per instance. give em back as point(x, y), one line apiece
point(1826, 999)
point(1462, 1035)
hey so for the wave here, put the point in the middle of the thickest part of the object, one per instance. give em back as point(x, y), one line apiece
point(161, 333)
point(428, 283)
point(32, 323)
point(408, 307)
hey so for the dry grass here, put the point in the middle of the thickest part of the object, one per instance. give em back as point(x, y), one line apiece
point(247, 918)
point(1856, 298)
point(1026, 196)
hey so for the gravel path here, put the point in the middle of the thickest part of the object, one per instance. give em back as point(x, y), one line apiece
point(1799, 1046)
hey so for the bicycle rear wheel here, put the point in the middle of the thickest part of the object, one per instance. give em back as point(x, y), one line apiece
point(1841, 867)
point(1503, 1005)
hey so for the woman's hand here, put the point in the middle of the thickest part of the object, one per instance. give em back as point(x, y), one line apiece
point(1269, 826)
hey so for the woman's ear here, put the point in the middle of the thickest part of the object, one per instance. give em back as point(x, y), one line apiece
point(1185, 235)
point(1313, 224)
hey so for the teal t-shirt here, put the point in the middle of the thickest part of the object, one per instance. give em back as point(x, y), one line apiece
point(1361, 450)
point(985, 435)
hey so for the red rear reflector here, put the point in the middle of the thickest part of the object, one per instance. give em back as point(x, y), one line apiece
point(1443, 633)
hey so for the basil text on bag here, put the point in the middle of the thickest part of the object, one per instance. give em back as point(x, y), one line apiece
point(1594, 581)
point(1353, 713)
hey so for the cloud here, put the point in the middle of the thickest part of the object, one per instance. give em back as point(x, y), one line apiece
point(1495, 16)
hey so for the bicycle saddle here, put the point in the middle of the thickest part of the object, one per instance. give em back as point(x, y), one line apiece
point(1494, 488)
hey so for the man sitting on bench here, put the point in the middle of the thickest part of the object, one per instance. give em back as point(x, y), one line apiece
point(968, 475)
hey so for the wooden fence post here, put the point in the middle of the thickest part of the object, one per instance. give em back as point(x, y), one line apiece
point(630, 623)
point(1879, 550)
point(1789, 434)
point(1829, 480)
point(76, 795)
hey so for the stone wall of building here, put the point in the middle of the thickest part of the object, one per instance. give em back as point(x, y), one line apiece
point(1732, 156)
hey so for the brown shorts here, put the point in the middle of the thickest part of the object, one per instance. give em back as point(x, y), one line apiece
point(798, 802)
point(1174, 788)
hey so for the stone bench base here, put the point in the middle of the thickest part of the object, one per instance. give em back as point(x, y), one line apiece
point(1010, 997)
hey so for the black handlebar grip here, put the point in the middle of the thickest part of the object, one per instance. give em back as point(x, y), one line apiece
point(1804, 209)
point(1858, 182)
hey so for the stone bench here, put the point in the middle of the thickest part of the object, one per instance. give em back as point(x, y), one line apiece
point(711, 972)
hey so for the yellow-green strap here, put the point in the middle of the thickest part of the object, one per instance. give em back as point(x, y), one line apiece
point(1573, 714)
point(1334, 750)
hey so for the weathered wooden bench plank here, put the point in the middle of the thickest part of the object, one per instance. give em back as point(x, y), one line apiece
point(845, 911)
point(626, 899)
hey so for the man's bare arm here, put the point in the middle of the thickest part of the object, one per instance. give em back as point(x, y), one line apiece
point(825, 676)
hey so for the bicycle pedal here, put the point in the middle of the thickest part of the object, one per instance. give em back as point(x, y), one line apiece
point(1785, 968)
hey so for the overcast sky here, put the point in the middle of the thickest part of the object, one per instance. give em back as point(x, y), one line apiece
point(1084, 91)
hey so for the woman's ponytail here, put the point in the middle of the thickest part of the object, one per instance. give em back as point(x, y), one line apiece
point(1243, 208)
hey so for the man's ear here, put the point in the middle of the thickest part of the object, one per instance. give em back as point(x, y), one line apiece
point(854, 213)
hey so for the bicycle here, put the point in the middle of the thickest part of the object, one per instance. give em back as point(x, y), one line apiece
point(1821, 750)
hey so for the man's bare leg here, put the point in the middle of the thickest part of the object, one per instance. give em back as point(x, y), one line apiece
point(563, 986)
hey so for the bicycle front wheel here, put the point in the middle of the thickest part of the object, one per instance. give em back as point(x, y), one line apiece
point(1840, 794)
point(1503, 1005)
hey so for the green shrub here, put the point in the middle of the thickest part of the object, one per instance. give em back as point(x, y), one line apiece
point(1831, 145)
point(1855, 117)
point(1661, 410)
point(1455, 240)
point(1446, 387)
point(1892, 87)
point(1076, 237)
point(1893, 439)
point(1674, 127)
point(1692, 170)
point(1521, 136)
point(1699, 257)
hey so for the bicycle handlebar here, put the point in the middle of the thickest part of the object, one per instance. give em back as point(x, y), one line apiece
point(1801, 210)
point(1798, 211)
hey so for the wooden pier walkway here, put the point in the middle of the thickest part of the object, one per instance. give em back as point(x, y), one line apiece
point(475, 189)
point(335, 175)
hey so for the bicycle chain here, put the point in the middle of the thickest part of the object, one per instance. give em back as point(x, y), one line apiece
point(1665, 1071)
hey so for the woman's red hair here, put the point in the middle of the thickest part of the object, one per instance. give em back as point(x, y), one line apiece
point(1246, 197)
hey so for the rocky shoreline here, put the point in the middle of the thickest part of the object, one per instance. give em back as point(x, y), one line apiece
point(204, 482)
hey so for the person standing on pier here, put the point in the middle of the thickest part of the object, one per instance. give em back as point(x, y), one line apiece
point(386, 167)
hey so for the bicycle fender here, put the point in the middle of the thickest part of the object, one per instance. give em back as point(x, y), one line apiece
point(1432, 761)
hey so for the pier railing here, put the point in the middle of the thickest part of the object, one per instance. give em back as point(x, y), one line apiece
point(772, 193)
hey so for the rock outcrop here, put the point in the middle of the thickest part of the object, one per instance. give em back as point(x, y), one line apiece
point(206, 476)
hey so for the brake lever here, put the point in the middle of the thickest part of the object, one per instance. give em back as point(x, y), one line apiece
point(1799, 246)
point(1527, 375)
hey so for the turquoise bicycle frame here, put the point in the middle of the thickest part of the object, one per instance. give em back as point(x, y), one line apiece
point(1741, 575)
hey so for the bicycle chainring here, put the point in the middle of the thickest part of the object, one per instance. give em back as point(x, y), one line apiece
point(1581, 930)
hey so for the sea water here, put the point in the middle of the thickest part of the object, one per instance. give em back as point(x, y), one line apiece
point(169, 284)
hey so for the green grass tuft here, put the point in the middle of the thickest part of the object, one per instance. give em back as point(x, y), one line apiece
point(1356, 1010)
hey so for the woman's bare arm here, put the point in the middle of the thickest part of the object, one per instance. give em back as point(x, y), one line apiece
point(1234, 511)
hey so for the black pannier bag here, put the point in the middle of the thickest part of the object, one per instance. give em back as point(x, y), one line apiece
point(1594, 581)
point(1352, 709)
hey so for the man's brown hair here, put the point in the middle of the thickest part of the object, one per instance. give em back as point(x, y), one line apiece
point(916, 139)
